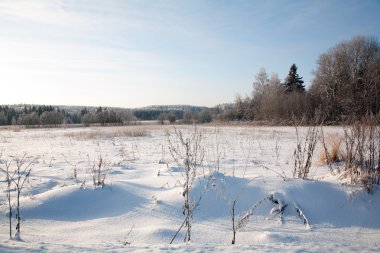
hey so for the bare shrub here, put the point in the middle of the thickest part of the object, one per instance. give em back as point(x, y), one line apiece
point(100, 170)
point(362, 153)
point(17, 171)
point(188, 154)
point(303, 153)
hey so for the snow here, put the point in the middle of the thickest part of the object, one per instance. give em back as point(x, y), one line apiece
point(140, 207)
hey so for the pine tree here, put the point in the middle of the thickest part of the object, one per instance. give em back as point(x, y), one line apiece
point(293, 82)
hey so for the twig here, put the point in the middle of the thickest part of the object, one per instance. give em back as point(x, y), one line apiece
point(183, 223)
point(301, 214)
point(278, 173)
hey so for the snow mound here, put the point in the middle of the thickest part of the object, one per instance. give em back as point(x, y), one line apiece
point(71, 203)
point(321, 203)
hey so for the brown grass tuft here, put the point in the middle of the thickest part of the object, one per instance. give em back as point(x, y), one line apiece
point(331, 152)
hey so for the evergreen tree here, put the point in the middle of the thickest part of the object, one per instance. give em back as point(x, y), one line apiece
point(293, 82)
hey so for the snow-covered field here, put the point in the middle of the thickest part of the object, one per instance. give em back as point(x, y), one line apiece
point(140, 207)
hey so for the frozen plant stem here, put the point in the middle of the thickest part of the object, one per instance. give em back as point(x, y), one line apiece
point(22, 173)
point(303, 154)
point(190, 152)
point(233, 222)
point(186, 192)
point(242, 220)
point(99, 171)
point(8, 180)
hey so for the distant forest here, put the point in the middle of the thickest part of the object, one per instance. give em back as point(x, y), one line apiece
point(345, 88)
point(48, 115)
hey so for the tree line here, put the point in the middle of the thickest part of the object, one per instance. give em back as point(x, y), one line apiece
point(33, 115)
point(47, 115)
point(345, 87)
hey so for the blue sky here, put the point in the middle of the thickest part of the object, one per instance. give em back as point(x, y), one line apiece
point(138, 53)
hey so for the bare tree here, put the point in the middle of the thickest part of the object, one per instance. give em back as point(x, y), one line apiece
point(260, 84)
point(53, 118)
point(188, 116)
point(29, 120)
point(347, 79)
point(161, 118)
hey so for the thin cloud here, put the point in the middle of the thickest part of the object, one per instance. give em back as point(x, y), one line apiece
point(42, 12)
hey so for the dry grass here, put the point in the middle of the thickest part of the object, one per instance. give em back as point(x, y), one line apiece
point(331, 152)
point(112, 132)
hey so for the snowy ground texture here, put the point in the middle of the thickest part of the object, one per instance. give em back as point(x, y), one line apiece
point(140, 207)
